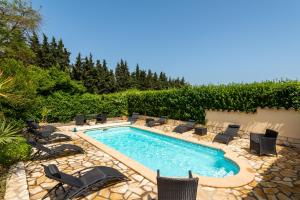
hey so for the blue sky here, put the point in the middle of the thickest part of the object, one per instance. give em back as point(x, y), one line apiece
point(212, 41)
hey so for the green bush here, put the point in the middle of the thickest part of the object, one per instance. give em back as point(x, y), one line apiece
point(15, 151)
point(64, 107)
point(185, 103)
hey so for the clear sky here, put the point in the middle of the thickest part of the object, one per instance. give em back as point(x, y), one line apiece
point(211, 41)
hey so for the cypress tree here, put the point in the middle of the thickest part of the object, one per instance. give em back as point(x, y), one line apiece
point(48, 59)
point(142, 81)
point(149, 83)
point(35, 46)
point(122, 76)
point(77, 69)
point(62, 56)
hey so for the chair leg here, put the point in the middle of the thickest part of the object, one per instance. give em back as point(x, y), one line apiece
point(54, 188)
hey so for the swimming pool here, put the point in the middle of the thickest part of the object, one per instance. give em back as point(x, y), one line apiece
point(173, 157)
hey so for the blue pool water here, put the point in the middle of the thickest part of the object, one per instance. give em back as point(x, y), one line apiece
point(173, 157)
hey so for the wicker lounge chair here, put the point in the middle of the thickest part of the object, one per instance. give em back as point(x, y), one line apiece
point(102, 118)
point(160, 121)
point(83, 181)
point(80, 120)
point(264, 143)
point(55, 150)
point(134, 117)
point(228, 135)
point(176, 188)
point(185, 127)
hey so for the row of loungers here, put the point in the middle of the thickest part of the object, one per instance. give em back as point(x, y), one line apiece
point(261, 143)
point(84, 181)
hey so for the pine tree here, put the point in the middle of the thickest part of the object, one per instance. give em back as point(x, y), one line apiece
point(63, 56)
point(35, 46)
point(135, 77)
point(77, 69)
point(163, 80)
point(47, 59)
point(149, 83)
point(122, 76)
point(156, 85)
point(142, 81)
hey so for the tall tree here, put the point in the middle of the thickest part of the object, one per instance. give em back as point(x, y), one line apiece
point(122, 76)
point(48, 59)
point(77, 69)
point(17, 20)
point(35, 46)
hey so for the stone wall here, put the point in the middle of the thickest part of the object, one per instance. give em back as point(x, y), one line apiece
point(286, 122)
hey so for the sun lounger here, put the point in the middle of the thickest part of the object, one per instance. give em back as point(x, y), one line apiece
point(160, 121)
point(228, 135)
point(83, 181)
point(185, 127)
point(55, 150)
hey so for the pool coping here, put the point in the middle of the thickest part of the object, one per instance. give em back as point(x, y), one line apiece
point(244, 176)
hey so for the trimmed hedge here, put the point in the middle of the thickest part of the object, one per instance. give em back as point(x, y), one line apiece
point(64, 107)
point(185, 103)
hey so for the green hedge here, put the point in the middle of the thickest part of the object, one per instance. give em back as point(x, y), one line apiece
point(185, 103)
point(64, 107)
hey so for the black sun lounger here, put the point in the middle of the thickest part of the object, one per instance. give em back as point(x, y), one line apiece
point(134, 117)
point(228, 135)
point(32, 126)
point(160, 121)
point(84, 181)
point(185, 127)
point(46, 132)
point(55, 150)
point(169, 188)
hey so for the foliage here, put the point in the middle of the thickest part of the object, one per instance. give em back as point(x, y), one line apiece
point(20, 90)
point(17, 20)
point(8, 132)
point(14, 152)
point(48, 81)
point(185, 103)
point(191, 102)
point(64, 107)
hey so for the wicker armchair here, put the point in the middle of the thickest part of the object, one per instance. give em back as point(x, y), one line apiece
point(264, 143)
point(176, 188)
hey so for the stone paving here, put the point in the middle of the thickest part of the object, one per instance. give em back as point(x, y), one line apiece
point(16, 185)
point(137, 188)
point(277, 177)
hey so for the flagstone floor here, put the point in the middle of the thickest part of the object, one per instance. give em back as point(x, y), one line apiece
point(276, 177)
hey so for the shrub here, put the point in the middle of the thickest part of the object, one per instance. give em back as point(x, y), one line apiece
point(15, 151)
point(185, 103)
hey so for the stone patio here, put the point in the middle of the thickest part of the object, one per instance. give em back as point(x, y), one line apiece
point(276, 177)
